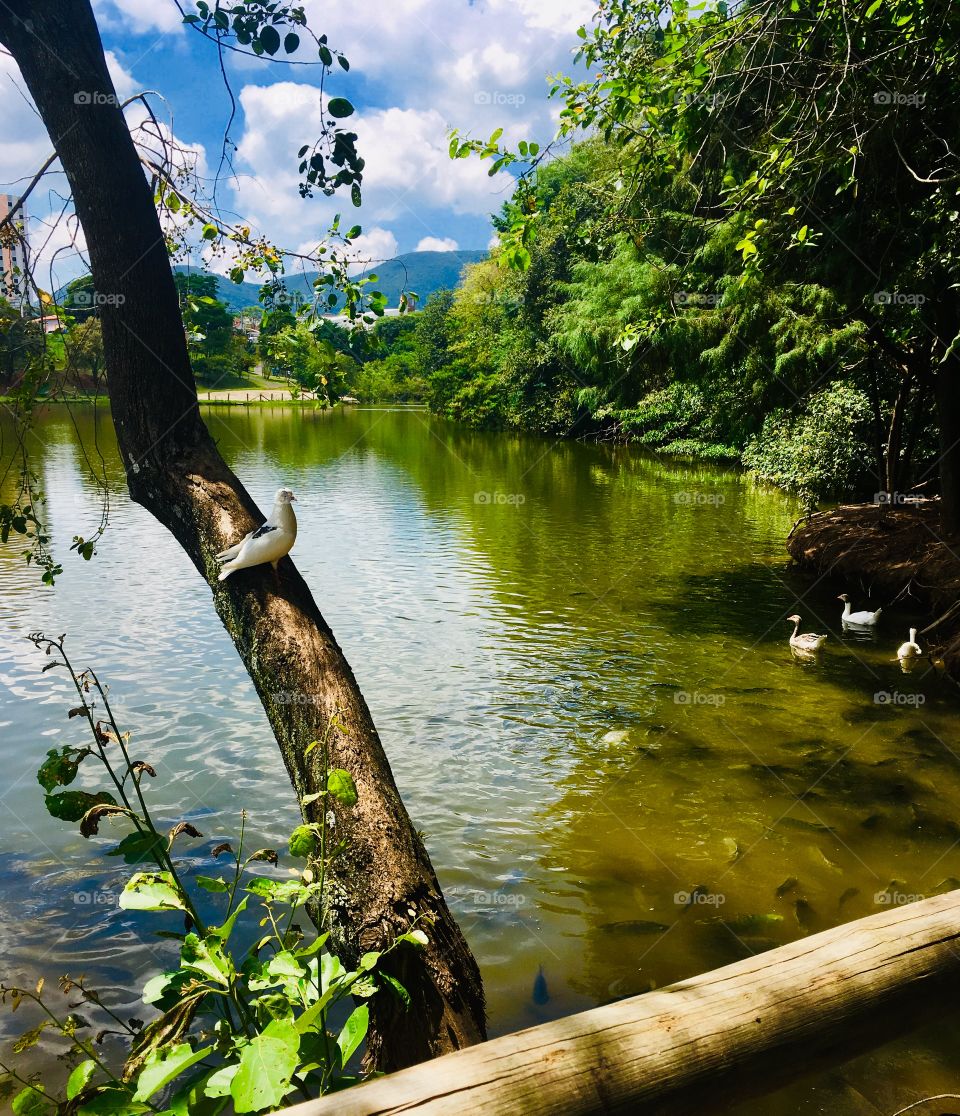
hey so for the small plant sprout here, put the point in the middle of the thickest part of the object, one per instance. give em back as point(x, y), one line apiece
point(244, 1017)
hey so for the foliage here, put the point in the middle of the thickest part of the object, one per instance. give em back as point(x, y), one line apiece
point(819, 453)
point(245, 1017)
point(309, 360)
point(392, 371)
point(765, 207)
point(328, 162)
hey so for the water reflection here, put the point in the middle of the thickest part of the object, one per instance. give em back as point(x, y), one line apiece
point(578, 661)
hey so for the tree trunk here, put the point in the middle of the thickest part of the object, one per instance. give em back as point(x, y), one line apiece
point(892, 449)
point(947, 393)
point(175, 471)
point(941, 318)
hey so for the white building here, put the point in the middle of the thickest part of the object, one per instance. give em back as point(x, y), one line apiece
point(13, 282)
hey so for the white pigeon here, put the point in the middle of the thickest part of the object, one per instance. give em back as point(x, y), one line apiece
point(268, 543)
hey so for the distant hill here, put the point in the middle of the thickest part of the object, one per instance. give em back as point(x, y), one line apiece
point(423, 272)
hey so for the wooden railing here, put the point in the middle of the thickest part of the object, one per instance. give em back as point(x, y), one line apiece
point(704, 1043)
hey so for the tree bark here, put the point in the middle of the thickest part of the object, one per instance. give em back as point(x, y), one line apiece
point(947, 393)
point(174, 470)
point(941, 319)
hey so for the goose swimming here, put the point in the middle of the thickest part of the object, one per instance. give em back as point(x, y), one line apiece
point(805, 641)
point(858, 619)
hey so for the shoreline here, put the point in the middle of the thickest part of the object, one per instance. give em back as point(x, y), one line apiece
point(898, 552)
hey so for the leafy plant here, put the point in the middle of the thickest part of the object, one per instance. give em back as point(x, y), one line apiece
point(818, 453)
point(242, 1025)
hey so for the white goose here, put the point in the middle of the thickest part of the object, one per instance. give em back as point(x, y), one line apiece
point(805, 641)
point(268, 543)
point(858, 619)
point(911, 649)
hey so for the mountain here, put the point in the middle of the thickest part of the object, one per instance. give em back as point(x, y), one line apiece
point(422, 272)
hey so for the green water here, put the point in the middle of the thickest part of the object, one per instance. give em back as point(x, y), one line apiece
point(578, 662)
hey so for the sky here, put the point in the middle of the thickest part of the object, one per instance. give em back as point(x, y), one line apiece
point(417, 69)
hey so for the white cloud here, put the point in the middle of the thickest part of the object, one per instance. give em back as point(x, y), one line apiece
point(58, 249)
point(437, 244)
point(418, 67)
point(23, 138)
point(373, 247)
point(558, 17)
point(408, 169)
point(123, 81)
point(138, 16)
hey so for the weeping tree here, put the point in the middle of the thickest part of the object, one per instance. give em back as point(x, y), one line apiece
point(174, 470)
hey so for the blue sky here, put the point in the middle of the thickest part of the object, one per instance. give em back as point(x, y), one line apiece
point(418, 67)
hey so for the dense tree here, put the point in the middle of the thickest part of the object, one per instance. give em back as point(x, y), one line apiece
point(771, 211)
point(21, 345)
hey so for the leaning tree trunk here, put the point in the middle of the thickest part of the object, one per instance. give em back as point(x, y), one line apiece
point(174, 470)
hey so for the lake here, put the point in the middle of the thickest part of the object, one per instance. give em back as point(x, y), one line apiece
point(577, 659)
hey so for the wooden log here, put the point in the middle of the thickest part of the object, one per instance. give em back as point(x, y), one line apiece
point(704, 1043)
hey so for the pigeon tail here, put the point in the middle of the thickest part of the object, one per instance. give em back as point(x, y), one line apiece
point(231, 551)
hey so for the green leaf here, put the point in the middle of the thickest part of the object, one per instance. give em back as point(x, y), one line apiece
point(206, 957)
point(353, 1033)
point(341, 785)
point(303, 842)
point(275, 891)
point(873, 8)
point(414, 937)
point(339, 107)
point(218, 1083)
point(191, 1099)
point(331, 970)
point(326, 55)
point(267, 1064)
point(31, 1101)
point(223, 932)
point(138, 847)
point(398, 988)
point(151, 891)
point(112, 1102)
point(354, 232)
point(80, 1078)
point(162, 1066)
point(314, 947)
point(210, 232)
point(210, 884)
point(269, 39)
point(72, 805)
point(157, 986)
point(59, 769)
point(291, 42)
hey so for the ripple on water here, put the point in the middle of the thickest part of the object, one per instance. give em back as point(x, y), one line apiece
point(587, 700)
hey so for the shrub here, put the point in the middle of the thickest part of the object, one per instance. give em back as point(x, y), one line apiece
point(820, 453)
